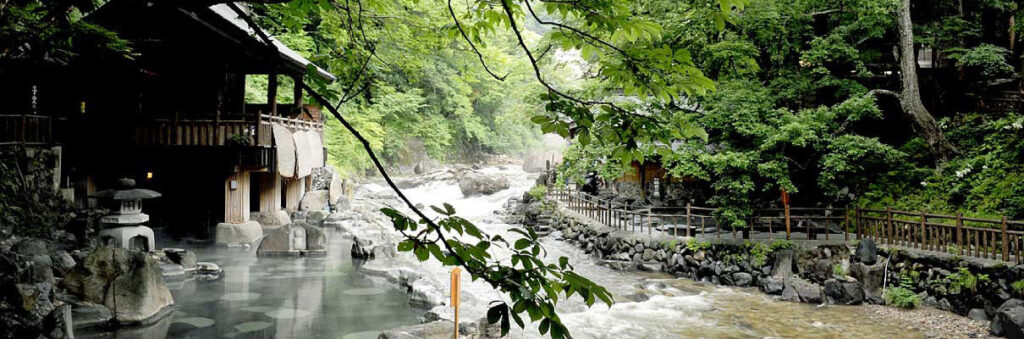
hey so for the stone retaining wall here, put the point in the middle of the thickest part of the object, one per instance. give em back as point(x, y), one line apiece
point(852, 273)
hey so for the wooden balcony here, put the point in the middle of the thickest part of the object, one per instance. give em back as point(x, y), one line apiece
point(217, 132)
point(26, 129)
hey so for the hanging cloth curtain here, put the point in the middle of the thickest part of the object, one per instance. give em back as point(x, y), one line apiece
point(303, 156)
point(285, 151)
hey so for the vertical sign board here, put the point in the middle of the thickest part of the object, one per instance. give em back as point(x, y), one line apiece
point(456, 274)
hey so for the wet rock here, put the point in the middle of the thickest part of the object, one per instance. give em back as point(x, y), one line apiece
point(977, 314)
point(58, 323)
point(478, 183)
point(771, 285)
point(843, 292)
point(742, 279)
point(275, 218)
point(440, 329)
point(127, 282)
point(62, 262)
point(36, 299)
point(650, 267)
point(294, 239)
point(870, 278)
point(314, 200)
point(316, 217)
point(229, 234)
point(648, 255)
point(866, 252)
point(944, 305)
point(182, 257)
point(86, 315)
point(425, 295)
point(797, 289)
point(1009, 320)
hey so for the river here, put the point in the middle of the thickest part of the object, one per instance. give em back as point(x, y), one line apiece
point(331, 298)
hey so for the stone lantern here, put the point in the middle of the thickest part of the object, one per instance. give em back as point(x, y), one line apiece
point(123, 227)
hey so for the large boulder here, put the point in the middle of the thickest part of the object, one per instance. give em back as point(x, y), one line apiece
point(478, 183)
point(229, 234)
point(314, 201)
point(293, 240)
point(870, 278)
point(275, 218)
point(843, 292)
point(62, 262)
point(866, 252)
point(1009, 320)
point(183, 257)
point(797, 289)
point(129, 283)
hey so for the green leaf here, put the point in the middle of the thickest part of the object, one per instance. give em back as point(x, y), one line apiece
point(522, 244)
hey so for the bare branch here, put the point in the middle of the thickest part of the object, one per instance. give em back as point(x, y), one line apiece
point(884, 92)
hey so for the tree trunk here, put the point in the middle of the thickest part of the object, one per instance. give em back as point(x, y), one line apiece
point(910, 96)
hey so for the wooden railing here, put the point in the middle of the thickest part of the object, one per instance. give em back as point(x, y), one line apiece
point(26, 129)
point(997, 239)
point(701, 221)
point(167, 132)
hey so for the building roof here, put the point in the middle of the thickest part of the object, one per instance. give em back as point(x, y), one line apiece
point(225, 11)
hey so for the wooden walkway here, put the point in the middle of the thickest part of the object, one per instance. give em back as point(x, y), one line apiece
point(991, 239)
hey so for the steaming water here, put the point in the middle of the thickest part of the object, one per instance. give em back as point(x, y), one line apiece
point(671, 308)
point(279, 298)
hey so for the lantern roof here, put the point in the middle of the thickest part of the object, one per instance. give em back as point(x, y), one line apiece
point(127, 191)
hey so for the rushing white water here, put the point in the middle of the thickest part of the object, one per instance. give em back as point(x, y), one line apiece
point(648, 305)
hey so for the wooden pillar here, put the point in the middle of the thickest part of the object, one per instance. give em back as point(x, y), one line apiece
point(236, 198)
point(272, 93)
point(270, 192)
point(298, 92)
point(293, 193)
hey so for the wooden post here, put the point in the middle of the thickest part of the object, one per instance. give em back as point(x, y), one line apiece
point(959, 233)
point(650, 223)
point(1006, 245)
point(785, 207)
point(924, 231)
point(456, 274)
point(888, 222)
point(298, 92)
point(846, 223)
point(688, 219)
point(272, 93)
point(856, 221)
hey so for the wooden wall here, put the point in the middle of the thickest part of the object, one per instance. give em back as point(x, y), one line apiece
point(236, 201)
point(270, 191)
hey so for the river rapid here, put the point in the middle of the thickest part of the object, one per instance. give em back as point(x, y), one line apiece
point(648, 305)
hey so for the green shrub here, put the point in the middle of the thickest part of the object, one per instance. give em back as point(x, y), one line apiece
point(781, 244)
point(901, 297)
point(963, 279)
point(1018, 287)
point(758, 253)
point(538, 192)
point(838, 270)
point(695, 245)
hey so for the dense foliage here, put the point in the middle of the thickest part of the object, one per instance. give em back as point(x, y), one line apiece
point(795, 107)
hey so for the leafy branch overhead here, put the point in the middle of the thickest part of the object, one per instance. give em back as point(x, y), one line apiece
point(533, 286)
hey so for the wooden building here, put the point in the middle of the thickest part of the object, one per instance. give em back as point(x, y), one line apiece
point(174, 117)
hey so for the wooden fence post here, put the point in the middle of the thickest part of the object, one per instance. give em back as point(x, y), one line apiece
point(856, 221)
point(959, 233)
point(846, 223)
point(687, 219)
point(1006, 244)
point(888, 221)
point(924, 230)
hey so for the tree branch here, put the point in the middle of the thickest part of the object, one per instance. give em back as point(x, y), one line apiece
point(473, 46)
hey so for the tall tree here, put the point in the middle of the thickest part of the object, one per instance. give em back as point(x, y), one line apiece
point(910, 94)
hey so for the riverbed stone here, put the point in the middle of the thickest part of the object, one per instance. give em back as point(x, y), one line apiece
point(843, 292)
point(866, 252)
point(229, 234)
point(742, 279)
point(798, 289)
point(424, 294)
point(129, 283)
point(1009, 320)
point(771, 285)
point(870, 278)
point(478, 183)
point(977, 314)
